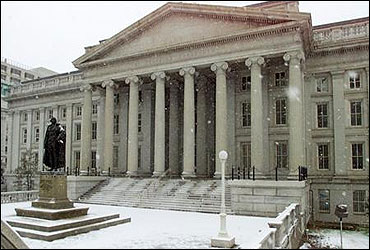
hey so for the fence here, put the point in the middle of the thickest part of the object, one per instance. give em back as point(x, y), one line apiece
point(18, 196)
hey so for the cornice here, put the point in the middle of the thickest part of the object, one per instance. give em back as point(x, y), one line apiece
point(338, 50)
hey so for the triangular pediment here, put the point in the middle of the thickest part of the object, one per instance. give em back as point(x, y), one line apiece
point(176, 24)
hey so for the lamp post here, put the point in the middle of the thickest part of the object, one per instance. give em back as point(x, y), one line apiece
point(223, 239)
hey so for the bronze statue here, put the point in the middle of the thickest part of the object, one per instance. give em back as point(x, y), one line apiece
point(54, 145)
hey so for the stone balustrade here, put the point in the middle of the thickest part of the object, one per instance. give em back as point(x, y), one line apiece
point(47, 83)
point(18, 196)
point(286, 229)
point(341, 33)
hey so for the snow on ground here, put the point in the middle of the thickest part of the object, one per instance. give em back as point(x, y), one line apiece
point(150, 228)
point(330, 238)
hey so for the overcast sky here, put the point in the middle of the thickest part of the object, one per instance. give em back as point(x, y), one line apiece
point(53, 34)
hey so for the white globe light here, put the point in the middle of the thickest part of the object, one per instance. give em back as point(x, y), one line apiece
point(222, 155)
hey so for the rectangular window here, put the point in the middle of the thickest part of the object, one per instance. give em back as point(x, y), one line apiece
point(77, 161)
point(246, 114)
point(140, 96)
point(354, 81)
point(281, 154)
point(116, 99)
point(323, 156)
point(116, 124)
point(139, 122)
point(281, 113)
point(139, 157)
point(322, 115)
point(357, 156)
point(15, 72)
point(50, 113)
point(246, 154)
point(280, 79)
point(78, 111)
point(24, 139)
point(93, 159)
point(94, 109)
point(15, 80)
point(25, 116)
point(37, 134)
point(64, 113)
point(245, 84)
point(322, 85)
point(359, 201)
point(324, 200)
point(78, 131)
point(356, 119)
point(115, 157)
point(94, 129)
point(37, 115)
point(3, 68)
point(3, 77)
point(29, 76)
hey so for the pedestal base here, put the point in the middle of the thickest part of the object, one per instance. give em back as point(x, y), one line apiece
point(223, 242)
point(51, 214)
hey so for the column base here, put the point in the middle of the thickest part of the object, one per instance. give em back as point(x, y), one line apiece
point(84, 173)
point(223, 242)
point(217, 175)
point(105, 173)
point(132, 174)
point(157, 174)
point(188, 175)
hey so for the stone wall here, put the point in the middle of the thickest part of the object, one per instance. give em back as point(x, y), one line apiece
point(267, 198)
point(78, 185)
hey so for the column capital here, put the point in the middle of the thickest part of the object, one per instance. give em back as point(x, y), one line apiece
point(219, 67)
point(86, 88)
point(257, 60)
point(294, 55)
point(108, 83)
point(158, 75)
point(132, 79)
point(187, 71)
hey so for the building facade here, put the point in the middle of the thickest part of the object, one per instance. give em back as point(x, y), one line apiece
point(169, 92)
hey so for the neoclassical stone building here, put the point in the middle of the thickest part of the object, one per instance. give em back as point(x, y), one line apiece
point(167, 93)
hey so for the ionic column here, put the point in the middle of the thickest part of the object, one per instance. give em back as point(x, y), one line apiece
point(133, 108)
point(85, 161)
point(258, 136)
point(16, 141)
point(189, 122)
point(201, 138)
point(29, 129)
point(339, 118)
point(41, 136)
point(69, 136)
point(174, 130)
point(108, 129)
point(159, 134)
point(295, 108)
point(9, 155)
point(221, 112)
point(101, 131)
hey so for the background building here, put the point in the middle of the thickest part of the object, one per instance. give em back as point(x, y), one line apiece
point(165, 96)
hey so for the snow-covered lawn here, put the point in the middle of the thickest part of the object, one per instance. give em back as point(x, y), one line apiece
point(330, 238)
point(151, 228)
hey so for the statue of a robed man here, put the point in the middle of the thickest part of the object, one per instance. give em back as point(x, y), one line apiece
point(54, 145)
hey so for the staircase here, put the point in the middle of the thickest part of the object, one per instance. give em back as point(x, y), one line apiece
point(168, 194)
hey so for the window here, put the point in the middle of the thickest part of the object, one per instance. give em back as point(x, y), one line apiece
point(246, 114)
point(94, 109)
point(280, 79)
point(140, 96)
point(246, 154)
point(37, 134)
point(78, 111)
point(116, 99)
point(359, 201)
point(357, 156)
point(245, 83)
point(78, 131)
point(354, 80)
point(324, 200)
point(15, 80)
point(323, 156)
point(29, 76)
point(77, 161)
point(25, 116)
point(3, 68)
point(281, 154)
point(139, 157)
point(280, 115)
point(37, 115)
point(356, 119)
point(93, 159)
point(64, 113)
point(322, 85)
point(115, 157)
point(50, 113)
point(36, 157)
point(94, 127)
point(24, 136)
point(322, 115)
point(116, 124)
point(3, 77)
point(139, 122)
point(15, 72)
